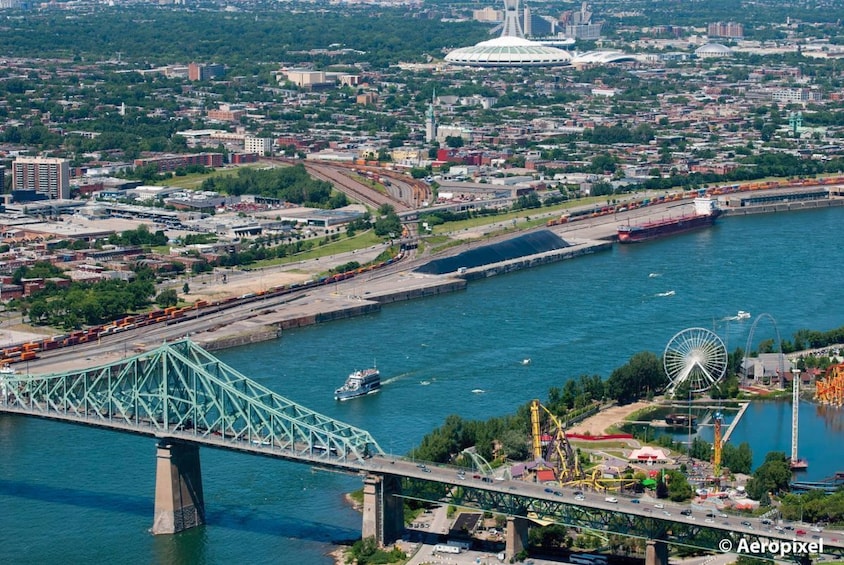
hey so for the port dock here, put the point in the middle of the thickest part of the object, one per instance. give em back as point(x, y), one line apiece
point(348, 299)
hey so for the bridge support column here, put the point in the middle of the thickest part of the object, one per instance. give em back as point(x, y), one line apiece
point(656, 552)
point(179, 502)
point(516, 536)
point(383, 509)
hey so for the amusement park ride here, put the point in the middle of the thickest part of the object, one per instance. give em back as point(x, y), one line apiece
point(563, 460)
point(695, 358)
point(830, 389)
point(558, 449)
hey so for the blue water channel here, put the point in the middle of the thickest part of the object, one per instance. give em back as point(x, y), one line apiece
point(76, 495)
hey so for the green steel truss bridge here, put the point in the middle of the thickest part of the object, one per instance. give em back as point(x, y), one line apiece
point(179, 391)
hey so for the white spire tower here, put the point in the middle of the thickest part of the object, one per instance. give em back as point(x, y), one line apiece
point(512, 25)
point(431, 121)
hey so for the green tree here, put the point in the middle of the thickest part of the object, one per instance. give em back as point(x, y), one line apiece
point(634, 380)
point(772, 476)
point(514, 445)
point(738, 459)
point(388, 224)
point(167, 298)
point(701, 449)
point(679, 488)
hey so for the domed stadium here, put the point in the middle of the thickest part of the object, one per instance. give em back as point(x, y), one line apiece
point(508, 51)
point(713, 50)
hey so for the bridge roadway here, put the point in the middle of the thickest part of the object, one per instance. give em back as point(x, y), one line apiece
point(646, 508)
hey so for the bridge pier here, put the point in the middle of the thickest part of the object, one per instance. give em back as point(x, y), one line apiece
point(656, 552)
point(383, 509)
point(179, 502)
point(516, 536)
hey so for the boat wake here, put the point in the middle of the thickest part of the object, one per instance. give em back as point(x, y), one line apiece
point(394, 379)
point(669, 293)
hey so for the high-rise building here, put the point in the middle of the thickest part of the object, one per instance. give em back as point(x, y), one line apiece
point(205, 72)
point(488, 15)
point(580, 24)
point(726, 29)
point(260, 145)
point(535, 25)
point(48, 176)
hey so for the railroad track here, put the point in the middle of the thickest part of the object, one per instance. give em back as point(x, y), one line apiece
point(352, 188)
point(339, 176)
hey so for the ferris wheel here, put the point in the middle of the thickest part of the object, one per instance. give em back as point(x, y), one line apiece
point(697, 356)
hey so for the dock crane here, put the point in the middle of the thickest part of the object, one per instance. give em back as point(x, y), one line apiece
point(569, 465)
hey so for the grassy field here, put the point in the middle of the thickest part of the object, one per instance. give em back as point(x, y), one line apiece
point(194, 180)
point(343, 245)
point(608, 444)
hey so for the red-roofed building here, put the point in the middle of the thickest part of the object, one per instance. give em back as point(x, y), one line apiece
point(545, 476)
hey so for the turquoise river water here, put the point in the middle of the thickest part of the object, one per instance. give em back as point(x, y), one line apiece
point(77, 495)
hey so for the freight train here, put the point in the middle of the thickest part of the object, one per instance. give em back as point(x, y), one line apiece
point(583, 214)
point(172, 315)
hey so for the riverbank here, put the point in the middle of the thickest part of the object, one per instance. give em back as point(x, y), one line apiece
point(348, 299)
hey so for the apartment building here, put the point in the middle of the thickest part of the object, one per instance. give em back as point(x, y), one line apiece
point(47, 176)
point(259, 145)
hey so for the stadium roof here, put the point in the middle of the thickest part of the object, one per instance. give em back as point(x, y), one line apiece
point(508, 51)
point(601, 57)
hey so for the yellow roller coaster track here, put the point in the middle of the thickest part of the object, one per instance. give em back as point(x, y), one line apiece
point(830, 389)
point(569, 465)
